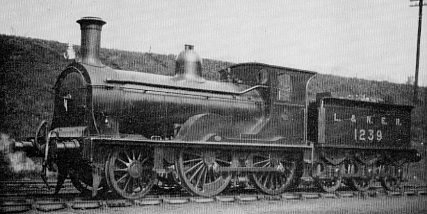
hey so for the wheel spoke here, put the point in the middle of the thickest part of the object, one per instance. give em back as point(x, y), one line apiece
point(273, 181)
point(273, 178)
point(193, 167)
point(223, 161)
point(121, 169)
point(192, 160)
point(266, 165)
point(123, 177)
point(125, 163)
point(127, 156)
point(360, 184)
point(210, 177)
point(145, 160)
point(126, 184)
point(196, 172)
point(256, 164)
point(259, 177)
point(266, 179)
point(279, 180)
point(200, 176)
point(205, 176)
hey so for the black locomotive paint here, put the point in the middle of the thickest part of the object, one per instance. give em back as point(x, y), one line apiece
point(125, 131)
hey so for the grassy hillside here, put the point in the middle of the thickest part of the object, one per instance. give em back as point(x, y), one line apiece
point(29, 68)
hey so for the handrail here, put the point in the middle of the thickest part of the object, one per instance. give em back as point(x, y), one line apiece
point(108, 80)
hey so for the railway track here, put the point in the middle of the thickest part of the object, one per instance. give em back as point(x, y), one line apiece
point(21, 196)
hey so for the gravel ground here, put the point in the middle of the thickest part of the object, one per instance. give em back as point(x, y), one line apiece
point(379, 205)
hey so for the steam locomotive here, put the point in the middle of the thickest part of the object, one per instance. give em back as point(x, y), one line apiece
point(124, 131)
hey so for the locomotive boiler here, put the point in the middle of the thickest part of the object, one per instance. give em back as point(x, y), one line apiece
point(122, 131)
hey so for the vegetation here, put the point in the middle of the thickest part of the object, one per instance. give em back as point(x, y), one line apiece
point(29, 68)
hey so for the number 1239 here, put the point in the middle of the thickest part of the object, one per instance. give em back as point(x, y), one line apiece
point(368, 135)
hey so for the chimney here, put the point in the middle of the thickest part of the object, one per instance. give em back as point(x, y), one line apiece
point(90, 40)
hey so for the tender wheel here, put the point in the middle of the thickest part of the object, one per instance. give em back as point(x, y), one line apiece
point(360, 183)
point(273, 182)
point(130, 172)
point(332, 181)
point(328, 184)
point(391, 182)
point(198, 171)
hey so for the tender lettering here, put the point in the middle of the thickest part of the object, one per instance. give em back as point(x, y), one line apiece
point(369, 119)
point(353, 118)
point(383, 121)
point(335, 118)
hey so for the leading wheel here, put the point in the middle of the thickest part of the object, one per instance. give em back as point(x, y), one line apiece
point(198, 171)
point(81, 179)
point(41, 136)
point(130, 172)
point(273, 183)
point(84, 187)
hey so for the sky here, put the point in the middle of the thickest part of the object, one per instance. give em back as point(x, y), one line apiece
point(369, 39)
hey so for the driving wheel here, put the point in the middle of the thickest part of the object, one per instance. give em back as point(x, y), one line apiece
point(275, 182)
point(198, 171)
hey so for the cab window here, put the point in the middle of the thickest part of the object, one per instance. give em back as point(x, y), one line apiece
point(284, 87)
